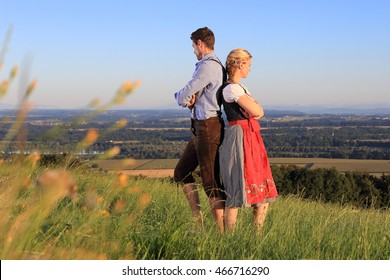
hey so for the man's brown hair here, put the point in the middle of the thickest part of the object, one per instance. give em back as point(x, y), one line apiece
point(205, 35)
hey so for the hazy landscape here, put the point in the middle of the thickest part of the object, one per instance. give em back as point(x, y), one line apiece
point(162, 134)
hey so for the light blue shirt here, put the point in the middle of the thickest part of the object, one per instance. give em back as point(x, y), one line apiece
point(207, 79)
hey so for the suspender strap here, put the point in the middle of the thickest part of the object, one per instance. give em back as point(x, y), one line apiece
point(224, 79)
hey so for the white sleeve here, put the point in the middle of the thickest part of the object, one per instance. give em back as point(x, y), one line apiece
point(232, 92)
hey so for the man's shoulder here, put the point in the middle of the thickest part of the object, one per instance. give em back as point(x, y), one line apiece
point(212, 62)
point(209, 65)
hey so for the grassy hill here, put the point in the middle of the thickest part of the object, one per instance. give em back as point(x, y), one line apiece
point(115, 216)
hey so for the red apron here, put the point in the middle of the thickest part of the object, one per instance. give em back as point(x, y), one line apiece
point(259, 183)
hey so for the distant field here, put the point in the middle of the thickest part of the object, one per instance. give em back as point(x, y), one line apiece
point(342, 165)
point(164, 167)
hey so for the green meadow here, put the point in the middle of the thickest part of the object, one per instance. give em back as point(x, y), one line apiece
point(84, 214)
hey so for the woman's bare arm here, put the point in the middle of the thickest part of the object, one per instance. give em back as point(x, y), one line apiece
point(251, 107)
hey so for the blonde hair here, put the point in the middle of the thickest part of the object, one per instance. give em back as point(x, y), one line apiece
point(234, 59)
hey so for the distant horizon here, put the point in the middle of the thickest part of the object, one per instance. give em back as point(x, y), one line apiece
point(298, 109)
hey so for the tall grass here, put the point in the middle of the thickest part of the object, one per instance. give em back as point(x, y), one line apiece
point(53, 213)
point(118, 217)
point(294, 229)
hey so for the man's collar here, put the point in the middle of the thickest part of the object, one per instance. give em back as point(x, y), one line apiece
point(209, 55)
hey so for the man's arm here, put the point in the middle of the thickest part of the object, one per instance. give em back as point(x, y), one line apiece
point(200, 80)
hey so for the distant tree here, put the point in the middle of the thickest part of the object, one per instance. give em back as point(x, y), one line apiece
point(369, 195)
point(383, 185)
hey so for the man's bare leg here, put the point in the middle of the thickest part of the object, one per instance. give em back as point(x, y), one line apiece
point(217, 208)
point(192, 195)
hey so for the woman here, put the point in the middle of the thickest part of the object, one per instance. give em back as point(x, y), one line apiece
point(245, 168)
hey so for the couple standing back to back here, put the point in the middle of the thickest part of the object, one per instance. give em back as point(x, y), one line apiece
point(246, 181)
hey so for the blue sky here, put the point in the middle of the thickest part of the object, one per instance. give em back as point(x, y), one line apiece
point(305, 53)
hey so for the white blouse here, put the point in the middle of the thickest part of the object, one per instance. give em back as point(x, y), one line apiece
point(232, 92)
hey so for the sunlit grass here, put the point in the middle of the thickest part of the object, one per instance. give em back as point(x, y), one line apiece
point(119, 217)
point(294, 229)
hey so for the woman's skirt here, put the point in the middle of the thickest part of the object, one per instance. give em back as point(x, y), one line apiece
point(245, 168)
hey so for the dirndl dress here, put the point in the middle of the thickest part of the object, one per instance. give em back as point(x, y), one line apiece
point(245, 169)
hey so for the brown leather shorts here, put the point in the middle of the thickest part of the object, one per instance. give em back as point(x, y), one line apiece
point(202, 151)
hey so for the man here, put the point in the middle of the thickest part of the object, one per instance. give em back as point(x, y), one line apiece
point(201, 96)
